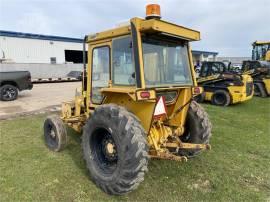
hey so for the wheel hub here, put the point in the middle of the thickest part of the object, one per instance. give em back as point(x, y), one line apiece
point(8, 93)
point(109, 149)
point(52, 134)
point(219, 98)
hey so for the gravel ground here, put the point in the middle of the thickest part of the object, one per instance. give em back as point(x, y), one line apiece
point(42, 98)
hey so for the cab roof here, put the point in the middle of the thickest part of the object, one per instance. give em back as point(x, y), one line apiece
point(261, 43)
point(151, 25)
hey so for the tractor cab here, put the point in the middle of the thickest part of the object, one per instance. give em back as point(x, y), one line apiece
point(136, 64)
point(136, 57)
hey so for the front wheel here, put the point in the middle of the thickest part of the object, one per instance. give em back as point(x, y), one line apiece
point(197, 129)
point(55, 133)
point(115, 149)
point(8, 93)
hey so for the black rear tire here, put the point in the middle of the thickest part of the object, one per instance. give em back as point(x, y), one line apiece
point(197, 129)
point(55, 133)
point(8, 92)
point(259, 90)
point(221, 98)
point(115, 149)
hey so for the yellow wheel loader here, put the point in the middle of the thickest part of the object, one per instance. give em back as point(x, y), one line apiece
point(222, 87)
point(259, 68)
point(260, 72)
point(136, 103)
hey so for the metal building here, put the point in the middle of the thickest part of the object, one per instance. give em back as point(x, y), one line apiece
point(200, 56)
point(17, 47)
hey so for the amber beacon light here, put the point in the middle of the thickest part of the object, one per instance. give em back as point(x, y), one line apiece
point(153, 11)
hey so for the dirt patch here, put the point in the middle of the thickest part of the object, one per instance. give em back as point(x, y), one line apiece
point(56, 108)
point(201, 185)
point(11, 109)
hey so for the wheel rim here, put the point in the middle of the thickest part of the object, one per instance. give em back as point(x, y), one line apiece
point(9, 93)
point(104, 150)
point(51, 136)
point(219, 99)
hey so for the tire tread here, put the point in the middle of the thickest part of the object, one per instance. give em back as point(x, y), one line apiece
point(136, 160)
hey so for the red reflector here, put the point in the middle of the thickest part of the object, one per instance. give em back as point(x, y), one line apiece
point(197, 90)
point(145, 94)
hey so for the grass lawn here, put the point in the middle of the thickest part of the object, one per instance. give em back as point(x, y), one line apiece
point(236, 169)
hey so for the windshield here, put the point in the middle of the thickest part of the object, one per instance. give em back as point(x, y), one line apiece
point(166, 62)
point(212, 68)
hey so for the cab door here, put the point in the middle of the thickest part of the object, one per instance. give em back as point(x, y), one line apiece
point(99, 72)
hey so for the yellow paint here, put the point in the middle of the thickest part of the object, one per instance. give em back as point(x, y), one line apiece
point(169, 28)
point(266, 82)
point(238, 93)
point(208, 95)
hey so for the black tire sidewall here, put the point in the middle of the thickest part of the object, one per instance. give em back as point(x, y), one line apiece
point(194, 128)
point(50, 143)
point(197, 129)
point(59, 129)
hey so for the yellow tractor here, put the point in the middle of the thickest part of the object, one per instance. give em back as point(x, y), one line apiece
point(136, 102)
point(222, 87)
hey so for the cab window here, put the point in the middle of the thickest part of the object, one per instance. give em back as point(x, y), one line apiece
point(100, 72)
point(218, 68)
point(123, 72)
point(204, 70)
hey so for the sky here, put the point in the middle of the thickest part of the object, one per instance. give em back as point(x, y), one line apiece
point(227, 26)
